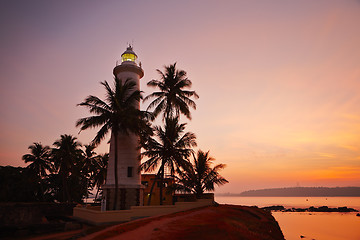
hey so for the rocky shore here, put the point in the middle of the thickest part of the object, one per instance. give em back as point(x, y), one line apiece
point(310, 209)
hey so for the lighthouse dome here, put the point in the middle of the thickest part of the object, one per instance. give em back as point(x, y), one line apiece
point(128, 63)
point(129, 55)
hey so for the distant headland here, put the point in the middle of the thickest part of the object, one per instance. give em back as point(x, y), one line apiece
point(301, 192)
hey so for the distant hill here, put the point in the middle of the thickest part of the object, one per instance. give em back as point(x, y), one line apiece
point(304, 192)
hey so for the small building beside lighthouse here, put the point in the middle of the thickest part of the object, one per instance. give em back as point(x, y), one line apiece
point(130, 191)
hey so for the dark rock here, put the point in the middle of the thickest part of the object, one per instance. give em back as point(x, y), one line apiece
point(300, 209)
point(323, 209)
point(314, 209)
point(274, 208)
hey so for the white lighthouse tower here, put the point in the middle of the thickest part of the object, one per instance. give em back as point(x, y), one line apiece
point(129, 191)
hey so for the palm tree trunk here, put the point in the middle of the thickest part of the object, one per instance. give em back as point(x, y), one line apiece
point(152, 188)
point(41, 189)
point(161, 190)
point(161, 184)
point(116, 172)
point(199, 193)
point(97, 191)
point(67, 193)
point(87, 192)
point(64, 188)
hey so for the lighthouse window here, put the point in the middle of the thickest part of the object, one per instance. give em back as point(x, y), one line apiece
point(128, 57)
point(130, 172)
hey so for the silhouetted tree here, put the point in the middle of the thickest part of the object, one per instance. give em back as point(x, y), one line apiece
point(40, 163)
point(117, 114)
point(172, 99)
point(169, 148)
point(99, 176)
point(89, 165)
point(67, 157)
point(200, 176)
point(89, 159)
point(54, 188)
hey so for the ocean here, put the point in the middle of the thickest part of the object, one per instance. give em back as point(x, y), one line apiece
point(307, 225)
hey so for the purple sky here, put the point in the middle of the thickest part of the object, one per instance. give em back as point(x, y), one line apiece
point(279, 81)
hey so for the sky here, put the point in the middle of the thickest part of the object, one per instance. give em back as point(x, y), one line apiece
point(279, 81)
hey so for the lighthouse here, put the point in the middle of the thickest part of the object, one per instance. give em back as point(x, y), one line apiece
point(129, 192)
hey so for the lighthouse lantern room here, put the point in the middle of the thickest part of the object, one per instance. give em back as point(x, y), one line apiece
point(129, 55)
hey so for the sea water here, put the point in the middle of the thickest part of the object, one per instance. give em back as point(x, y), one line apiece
point(308, 225)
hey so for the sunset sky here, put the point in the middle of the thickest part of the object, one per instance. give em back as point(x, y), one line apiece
point(279, 81)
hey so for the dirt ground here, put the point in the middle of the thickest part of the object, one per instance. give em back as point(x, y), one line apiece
point(215, 222)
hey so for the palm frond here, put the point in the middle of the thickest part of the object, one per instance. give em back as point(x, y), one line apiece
point(172, 99)
point(100, 135)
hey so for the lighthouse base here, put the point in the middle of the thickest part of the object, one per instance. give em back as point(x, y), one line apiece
point(127, 196)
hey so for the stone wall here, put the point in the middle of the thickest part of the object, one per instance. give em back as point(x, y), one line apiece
point(21, 220)
point(98, 217)
point(14, 214)
point(126, 197)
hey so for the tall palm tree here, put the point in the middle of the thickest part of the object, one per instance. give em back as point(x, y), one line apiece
point(172, 99)
point(40, 162)
point(117, 114)
point(170, 148)
point(200, 176)
point(67, 156)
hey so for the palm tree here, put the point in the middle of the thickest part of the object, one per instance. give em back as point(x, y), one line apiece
point(117, 114)
point(90, 159)
point(89, 165)
point(170, 149)
point(172, 99)
point(200, 176)
point(94, 167)
point(67, 156)
point(40, 162)
point(99, 176)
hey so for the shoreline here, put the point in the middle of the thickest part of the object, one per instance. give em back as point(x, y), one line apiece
point(292, 202)
point(280, 208)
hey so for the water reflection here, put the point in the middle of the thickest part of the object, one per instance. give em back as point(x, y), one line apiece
point(329, 226)
point(319, 226)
